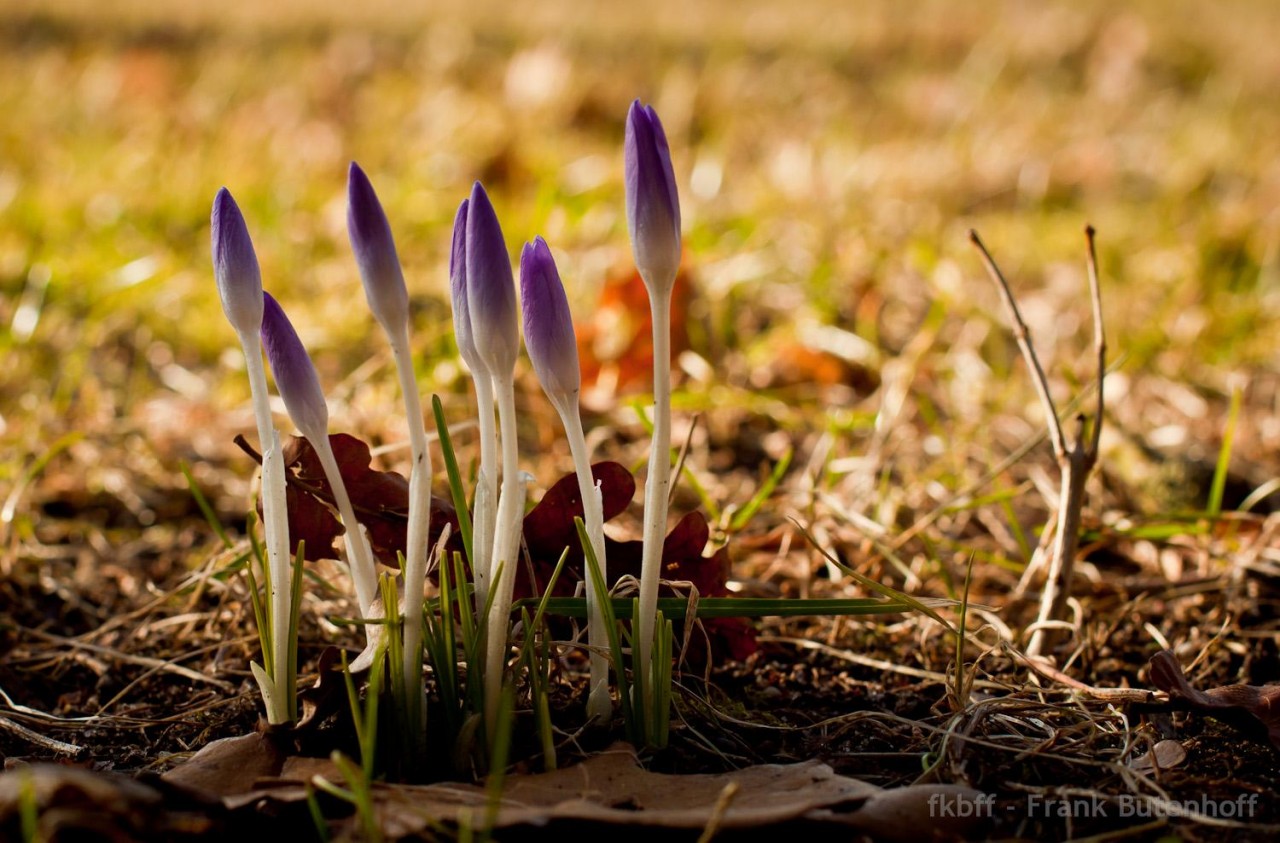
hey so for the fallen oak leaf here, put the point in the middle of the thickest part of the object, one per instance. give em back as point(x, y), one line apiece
point(682, 561)
point(611, 790)
point(1251, 708)
point(380, 500)
point(229, 766)
point(72, 803)
point(549, 530)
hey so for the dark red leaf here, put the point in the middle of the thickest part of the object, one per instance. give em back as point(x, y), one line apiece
point(682, 560)
point(380, 500)
point(549, 528)
point(1255, 708)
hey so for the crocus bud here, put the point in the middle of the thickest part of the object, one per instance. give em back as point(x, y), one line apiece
point(491, 289)
point(458, 291)
point(296, 377)
point(375, 252)
point(235, 266)
point(548, 325)
point(653, 209)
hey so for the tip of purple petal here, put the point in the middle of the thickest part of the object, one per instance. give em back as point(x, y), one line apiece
point(531, 248)
point(225, 211)
point(458, 251)
point(363, 207)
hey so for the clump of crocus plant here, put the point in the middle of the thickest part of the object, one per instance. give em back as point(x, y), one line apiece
point(486, 498)
point(653, 221)
point(235, 268)
point(553, 350)
point(299, 387)
point(491, 304)
point(384, 286)
point(487, 326)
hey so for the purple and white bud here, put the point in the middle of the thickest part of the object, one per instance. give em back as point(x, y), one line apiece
point(235, 265)
point(491, 289)
point(458, 292)
point(653, 208)
point(548, 325)
point(375, 252)
point(295, 375)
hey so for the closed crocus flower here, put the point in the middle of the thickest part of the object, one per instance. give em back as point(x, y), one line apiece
point(653, 208)
point(296, 377)
point(548, 325)
point(375, 252)
point(235, 265)
point(548, 335)
point(458, 291)
point(491, 289)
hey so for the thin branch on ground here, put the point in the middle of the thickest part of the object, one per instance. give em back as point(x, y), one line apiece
point(1075, 459)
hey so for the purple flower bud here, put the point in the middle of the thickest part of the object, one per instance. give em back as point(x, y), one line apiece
point(235, 266)
point(296, 377)
point(653, 209)
point(458, 291)
point(491, 289)
point(548, 325)
point(375, 252)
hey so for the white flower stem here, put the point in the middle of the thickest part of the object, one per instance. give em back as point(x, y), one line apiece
point(415, 565)
point(506, 548)
point(656, 487)
point(275, 522)
point(280, 578)
point(486, 501)
point(599, 705)
point(360, 557)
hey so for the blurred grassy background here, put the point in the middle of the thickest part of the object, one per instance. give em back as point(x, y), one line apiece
point(831, 158)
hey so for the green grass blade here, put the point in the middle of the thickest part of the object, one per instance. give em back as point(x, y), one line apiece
point(743, 516)
point(206, 509)
point(1224, 455)
point(295, 609)
point(317, 815)
point(456, 491)
point(675, 608)
point(639, 704)
point(546, 594)
point(500, 755)
point(610, 619)
point(663, 666)
point(879, 588)
point(260, 616)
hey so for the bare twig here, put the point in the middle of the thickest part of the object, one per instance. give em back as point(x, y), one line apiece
point(37, 739)
point(684, 454)
point(1043, 668)
point(1099, 338)
point(1075, 460)
point(1023, 336)
point(142, 661)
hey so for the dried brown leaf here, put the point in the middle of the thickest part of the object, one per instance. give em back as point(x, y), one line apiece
point(1253, 708)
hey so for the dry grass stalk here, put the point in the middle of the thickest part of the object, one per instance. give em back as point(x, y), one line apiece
point(1075, 459)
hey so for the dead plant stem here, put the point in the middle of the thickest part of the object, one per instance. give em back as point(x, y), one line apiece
point(1075, 460)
